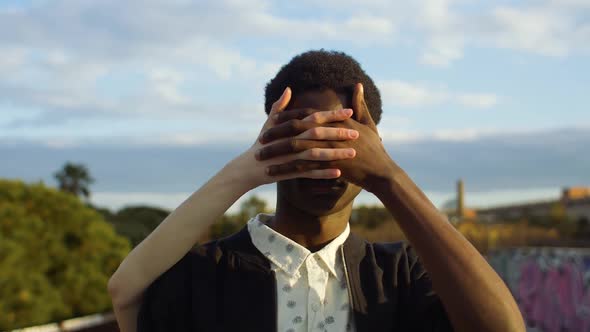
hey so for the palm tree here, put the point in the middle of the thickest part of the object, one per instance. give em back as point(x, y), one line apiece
point(75, 179)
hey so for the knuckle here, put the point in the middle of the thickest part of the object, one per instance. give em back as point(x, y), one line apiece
point(295, 125)
point(315, 153)
point(282, 117)
point(267, 135)
point(305, 113)
point(308, 111)
point(315, 117)
point(315, 132)
point(293, 144)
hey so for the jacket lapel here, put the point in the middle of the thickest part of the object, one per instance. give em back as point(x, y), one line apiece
point(372, 309)
point(249, 287)
point(354, 250)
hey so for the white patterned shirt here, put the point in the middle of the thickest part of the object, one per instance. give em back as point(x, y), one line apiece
point(312, 292)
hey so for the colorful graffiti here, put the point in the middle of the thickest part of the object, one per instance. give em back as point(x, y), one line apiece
point(551, 286)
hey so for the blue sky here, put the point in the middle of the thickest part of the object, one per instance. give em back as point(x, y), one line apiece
point(179, 73)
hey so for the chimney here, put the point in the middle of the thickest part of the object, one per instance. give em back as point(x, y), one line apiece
point(460, 196)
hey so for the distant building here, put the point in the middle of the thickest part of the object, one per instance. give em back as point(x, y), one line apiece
point(574, 204)
point(458, 212)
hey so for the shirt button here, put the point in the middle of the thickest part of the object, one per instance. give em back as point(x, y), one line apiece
point(315, 307)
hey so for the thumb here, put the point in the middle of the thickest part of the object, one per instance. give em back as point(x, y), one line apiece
point(277, 106)
point(282, 102)
point(360, 107)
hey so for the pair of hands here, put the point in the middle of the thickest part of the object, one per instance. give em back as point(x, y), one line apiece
point(309, 143)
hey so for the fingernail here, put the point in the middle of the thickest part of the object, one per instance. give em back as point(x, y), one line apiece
point(347, 111)
point(353, 133)
point(350, 153)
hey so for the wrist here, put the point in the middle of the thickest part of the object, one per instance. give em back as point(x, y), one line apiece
point(237, 175)
point(382, 184)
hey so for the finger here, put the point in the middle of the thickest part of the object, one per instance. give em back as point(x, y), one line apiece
point(282, 102)
point(288, 129)
point(295, 126)
point(329, 133)
point(289, 146)
point(360, 107)
point(307, 130)
point(314, 115)
point(292, 114)
point(329, 116)
point(297, 166)
point(319, 154)
point(277, 107)
point(330, 173)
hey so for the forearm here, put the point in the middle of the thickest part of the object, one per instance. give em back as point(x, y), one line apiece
point(127, 317)
point(474, 296)
point(175, 236)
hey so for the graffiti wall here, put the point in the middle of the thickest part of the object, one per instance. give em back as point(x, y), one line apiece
point(551, 286)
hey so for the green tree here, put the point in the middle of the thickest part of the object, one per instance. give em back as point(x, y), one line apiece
point(370, 216)
point(249, 209)
point(137, 222)
point(56, 256)
point(75, 179)
point(231, 223)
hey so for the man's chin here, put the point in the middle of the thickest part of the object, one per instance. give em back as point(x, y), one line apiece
point(317, 204)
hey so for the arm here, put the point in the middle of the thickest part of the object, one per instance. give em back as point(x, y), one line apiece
point(474, 296)
point(179, 232)
point(171, 240)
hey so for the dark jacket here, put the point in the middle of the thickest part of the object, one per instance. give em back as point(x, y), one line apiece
point(227, 285)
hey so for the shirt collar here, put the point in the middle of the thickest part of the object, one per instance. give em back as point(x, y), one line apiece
point(287, 254)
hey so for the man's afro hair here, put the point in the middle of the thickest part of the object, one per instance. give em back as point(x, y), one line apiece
point(318, 70)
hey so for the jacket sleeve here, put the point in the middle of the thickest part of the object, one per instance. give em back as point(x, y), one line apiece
point(166, 302)
point(425, 309)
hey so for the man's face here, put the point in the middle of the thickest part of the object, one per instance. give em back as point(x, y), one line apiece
point(318, 197)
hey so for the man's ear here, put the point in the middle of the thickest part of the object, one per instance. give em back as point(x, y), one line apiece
point(360, 107)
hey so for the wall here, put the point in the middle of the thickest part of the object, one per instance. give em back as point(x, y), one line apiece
point(551, 285)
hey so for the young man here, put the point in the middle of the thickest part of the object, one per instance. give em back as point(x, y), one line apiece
point(301, 269)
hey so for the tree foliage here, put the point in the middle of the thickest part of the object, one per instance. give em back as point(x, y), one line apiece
point(136, 222)
point(231, 223)
point(56, 256)
point(370, 216)
point(75, 179)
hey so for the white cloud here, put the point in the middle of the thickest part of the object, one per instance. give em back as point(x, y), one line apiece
point(477, 100)
point(165, 82)
point(535, 29)
point(58, 51)
point(548, 28)
point(444, 29)
point(406, 94)
point(12, 58)
point(55, 54)
point(444, 43)
point(446, 135)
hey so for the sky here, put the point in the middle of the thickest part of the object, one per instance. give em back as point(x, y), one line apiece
point(495, 92)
